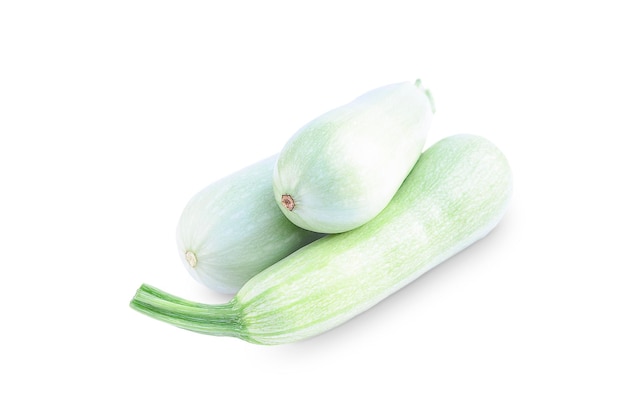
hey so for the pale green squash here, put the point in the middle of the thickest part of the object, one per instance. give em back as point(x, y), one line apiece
point(342, 168)
point(223, 234)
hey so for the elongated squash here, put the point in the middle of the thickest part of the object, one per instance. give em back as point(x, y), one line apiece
point(456, 194)
point(342, 168)
point(232, 229)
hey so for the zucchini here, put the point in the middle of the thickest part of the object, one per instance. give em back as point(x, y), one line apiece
point(342, 168)
point(222, 233)
point(455, 195)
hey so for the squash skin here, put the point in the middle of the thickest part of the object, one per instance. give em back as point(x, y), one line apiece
point(232, 229)
point(342, 168)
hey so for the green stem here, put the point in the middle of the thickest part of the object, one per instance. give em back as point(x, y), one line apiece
point(224, 319)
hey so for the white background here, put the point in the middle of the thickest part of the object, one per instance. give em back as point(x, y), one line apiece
point(113, 114)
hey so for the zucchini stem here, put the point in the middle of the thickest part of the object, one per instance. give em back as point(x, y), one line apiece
point(223, 319)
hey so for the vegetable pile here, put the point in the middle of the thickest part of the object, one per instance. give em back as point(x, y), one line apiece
point(357, 174)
